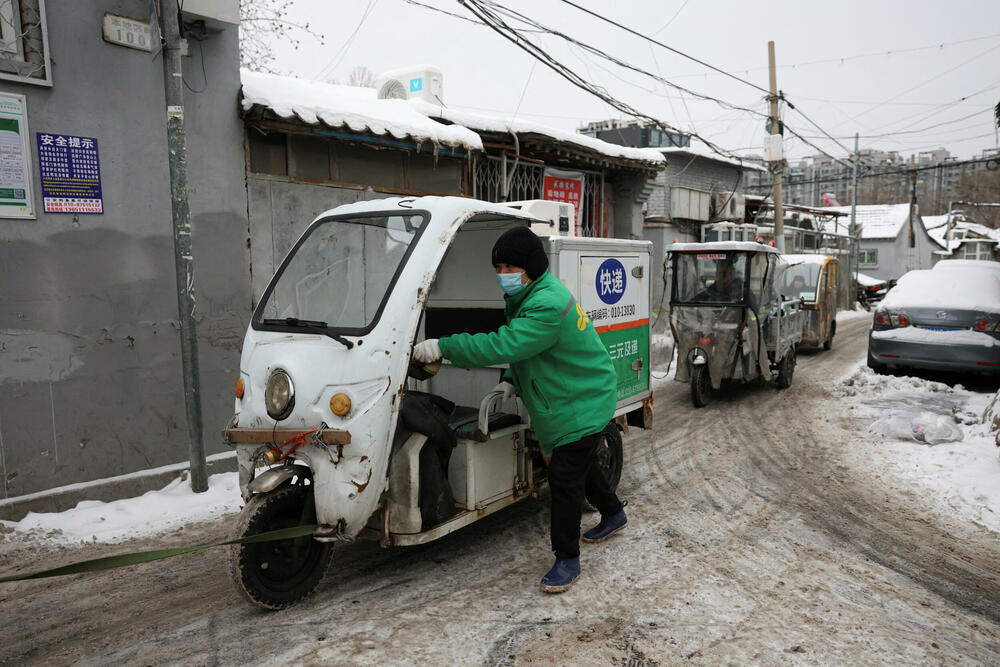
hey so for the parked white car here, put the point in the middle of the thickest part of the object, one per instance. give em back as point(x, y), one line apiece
point(945, 318)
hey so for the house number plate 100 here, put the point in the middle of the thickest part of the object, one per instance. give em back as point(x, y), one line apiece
point(128, 32)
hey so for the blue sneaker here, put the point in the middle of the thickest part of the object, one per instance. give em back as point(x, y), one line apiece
point(608, 526)
point(562, 575)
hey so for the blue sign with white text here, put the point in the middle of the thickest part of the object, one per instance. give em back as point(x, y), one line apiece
point(70, 171)
point(416, 85)
point(610, 281)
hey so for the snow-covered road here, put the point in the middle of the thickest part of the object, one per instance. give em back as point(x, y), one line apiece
point(770, 527)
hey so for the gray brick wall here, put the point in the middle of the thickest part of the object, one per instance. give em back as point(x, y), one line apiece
point(699, 174)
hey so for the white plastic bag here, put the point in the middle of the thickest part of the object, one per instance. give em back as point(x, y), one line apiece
point(919, 426)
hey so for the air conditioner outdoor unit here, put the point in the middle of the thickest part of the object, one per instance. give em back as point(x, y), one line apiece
point(560, 217)
point(730, 208)
point(421, 81)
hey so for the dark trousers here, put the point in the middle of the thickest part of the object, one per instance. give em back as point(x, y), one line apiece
point(573, 475)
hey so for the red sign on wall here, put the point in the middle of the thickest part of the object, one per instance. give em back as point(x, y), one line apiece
point(564, 186)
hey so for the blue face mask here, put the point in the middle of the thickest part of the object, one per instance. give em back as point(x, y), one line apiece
point(510, 283)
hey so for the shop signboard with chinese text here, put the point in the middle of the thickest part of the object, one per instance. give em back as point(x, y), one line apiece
point(564, 186)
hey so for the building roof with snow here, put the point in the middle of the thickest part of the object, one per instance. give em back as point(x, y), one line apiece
point(314, 103)
point(962, 231)
point(336, 106)
point(682, 152)
point(879, 221)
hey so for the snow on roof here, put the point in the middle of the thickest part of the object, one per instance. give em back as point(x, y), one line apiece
point(477, 121)
point(929, 288)
point(359, 109)
point(351, 106)
point(937, 230)
point(722, 246)
point(708, 154)
point(879, 221)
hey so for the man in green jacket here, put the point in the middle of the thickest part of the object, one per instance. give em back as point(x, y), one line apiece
point(564, 376)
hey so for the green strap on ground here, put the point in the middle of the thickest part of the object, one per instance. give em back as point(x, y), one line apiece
point(122, 560)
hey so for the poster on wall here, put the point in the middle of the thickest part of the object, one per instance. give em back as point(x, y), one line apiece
point(70, 170)
point(564, 186)
point(15, 168)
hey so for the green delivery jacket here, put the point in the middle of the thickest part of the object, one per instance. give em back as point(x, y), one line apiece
point(558, 364)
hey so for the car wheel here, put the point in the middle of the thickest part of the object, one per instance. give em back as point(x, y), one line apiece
point(828, 343)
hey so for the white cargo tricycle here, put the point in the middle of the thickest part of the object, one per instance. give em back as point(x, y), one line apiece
point(336, 427)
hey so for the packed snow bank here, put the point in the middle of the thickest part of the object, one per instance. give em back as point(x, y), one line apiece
point(961, 473)
point(154, 512)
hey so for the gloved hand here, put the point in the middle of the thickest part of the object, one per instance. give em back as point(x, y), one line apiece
point(507, 388)
point(427, 351)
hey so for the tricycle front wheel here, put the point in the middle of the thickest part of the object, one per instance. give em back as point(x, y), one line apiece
point(701, 388)
point(277, 574)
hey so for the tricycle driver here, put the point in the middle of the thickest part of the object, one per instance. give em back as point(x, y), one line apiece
point(725, 287)
point(564, 376)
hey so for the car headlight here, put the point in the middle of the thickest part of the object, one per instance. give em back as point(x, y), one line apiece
point(279, 396)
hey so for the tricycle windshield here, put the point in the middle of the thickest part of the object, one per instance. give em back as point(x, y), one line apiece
point(801, 281)
point(710, 277)
point(339, 274)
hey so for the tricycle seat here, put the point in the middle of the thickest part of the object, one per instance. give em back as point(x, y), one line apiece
point(465, 422)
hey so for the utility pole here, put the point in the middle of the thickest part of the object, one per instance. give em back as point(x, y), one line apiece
point(853, 233)
point(779, 209)
point(181, 215)
point(913, 199)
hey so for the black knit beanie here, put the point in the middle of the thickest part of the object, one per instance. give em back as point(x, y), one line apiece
point(520, 247)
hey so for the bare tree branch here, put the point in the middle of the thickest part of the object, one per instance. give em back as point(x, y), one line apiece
point(264, 23)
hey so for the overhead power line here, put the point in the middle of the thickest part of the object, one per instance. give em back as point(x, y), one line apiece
point(714, 68)
point(489, 13)
point(924, 129)
point(902, 171)
point(844, 59)
point(668, 48)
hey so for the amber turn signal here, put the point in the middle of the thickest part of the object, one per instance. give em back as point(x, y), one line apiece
point(239, 388)
point(340, 404)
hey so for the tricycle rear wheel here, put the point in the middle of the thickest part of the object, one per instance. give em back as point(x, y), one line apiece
point(277, 574)
point(786, 369)
point(828, 343)
point(701, 388)
point(610, 455)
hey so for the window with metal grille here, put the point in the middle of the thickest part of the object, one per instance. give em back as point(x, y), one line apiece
point(525, 182)
point(24, 46)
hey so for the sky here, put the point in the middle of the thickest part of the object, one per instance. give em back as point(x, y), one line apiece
point(907, 76)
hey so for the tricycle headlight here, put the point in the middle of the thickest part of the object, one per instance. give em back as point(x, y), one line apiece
point(279, 396)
